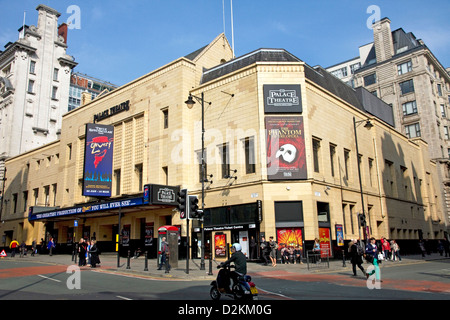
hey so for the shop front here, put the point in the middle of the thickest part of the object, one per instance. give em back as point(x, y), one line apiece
point(133, 218)
point(233, 224)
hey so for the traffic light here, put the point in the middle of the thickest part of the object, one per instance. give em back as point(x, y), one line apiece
point(193, 212)
point(362, 220)
point(182, 201)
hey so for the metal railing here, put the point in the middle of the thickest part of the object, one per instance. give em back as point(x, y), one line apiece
point(315, 260)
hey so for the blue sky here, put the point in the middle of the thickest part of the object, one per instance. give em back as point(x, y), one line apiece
point(119, 41)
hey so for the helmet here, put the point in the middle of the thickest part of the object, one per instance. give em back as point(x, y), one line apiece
point(237, 246)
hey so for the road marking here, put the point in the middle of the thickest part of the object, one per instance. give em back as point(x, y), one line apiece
point(274, 293)
point(124, 298)
point(47, 278)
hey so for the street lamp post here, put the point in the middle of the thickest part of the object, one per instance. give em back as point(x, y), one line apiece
point(190, 103)
point(368, 125)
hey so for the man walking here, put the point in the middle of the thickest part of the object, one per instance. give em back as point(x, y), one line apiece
point(356, 254)
point(164, 255)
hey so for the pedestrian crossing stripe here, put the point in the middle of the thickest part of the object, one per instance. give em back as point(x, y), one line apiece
point(3, 254)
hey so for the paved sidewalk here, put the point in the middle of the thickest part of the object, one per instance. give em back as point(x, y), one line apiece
point(109, 263)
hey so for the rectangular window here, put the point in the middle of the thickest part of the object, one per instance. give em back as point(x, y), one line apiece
point(249, 145)
point(166, 175)
point(409, 108)
point(36, 196)
point(55, 74)
point(54, 190)
point(412, 130)
point(54, 93)
point(443, 113)
point(138, 176)
point(14, 202)
point(316, 154)
point(166, 118)
point(117, 181)
point(439, 89)
point(371, 172)
point(69, 151)
point(25, 200)
point(404, 67)
point(346, 163)
point(332, 158)
point(407, 86)
point(340, 73)
point(33, 67)
point(446, 133)
point(46, 196)
point(370, 79)
point(225, 158)
point(30, 86)
point(355, 67)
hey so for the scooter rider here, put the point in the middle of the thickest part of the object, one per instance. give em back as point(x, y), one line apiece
point(240, 262)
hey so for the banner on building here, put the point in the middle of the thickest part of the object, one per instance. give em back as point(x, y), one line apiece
point(339, 235)
point(284, 98)
point(98, 160)
point(325, 242)
point(286, 155)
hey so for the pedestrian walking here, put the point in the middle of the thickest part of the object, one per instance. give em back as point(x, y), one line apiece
point(396, 251)
point(23, 249)
point(50, 246)
point(265, 251)
point(13, 246)
point(422, 248)
point(273, 251)
point(165, 252)
point(440, 248)
point(356, 256)
point(33, 248)
point(253, 248)
point(386, 248)
point(82, 253)
point(93, 251)
point(372, 257)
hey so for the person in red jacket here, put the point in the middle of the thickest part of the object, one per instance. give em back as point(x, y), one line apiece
point(386, 249)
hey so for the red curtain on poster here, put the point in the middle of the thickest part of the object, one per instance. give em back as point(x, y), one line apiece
point(325, 242)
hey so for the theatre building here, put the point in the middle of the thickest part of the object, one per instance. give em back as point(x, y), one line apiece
point(280, 160)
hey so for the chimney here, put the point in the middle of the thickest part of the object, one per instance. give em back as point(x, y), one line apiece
point(382, 36)
point(86, 97)
point(62, 31)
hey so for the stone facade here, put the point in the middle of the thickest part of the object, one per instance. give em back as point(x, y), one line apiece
point(399, 180)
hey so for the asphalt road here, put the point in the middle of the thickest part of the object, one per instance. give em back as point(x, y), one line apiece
point(36, 281)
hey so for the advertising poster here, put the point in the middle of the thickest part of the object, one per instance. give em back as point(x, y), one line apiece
point(339, 235)
point(149, 234)
point(98, 160)
point(325, 242)
point(220, 245)
point(286, 155)
point(290, 237)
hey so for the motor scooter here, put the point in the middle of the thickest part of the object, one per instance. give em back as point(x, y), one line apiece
point(242, 289)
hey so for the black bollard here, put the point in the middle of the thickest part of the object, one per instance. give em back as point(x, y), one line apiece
point(146, 262)
point(128, 260)
point(210, 273)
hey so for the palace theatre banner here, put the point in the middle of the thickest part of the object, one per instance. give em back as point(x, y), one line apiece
point(286, 156)
point(98, 160)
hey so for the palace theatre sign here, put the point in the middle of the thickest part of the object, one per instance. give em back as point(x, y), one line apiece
point(124, 106)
